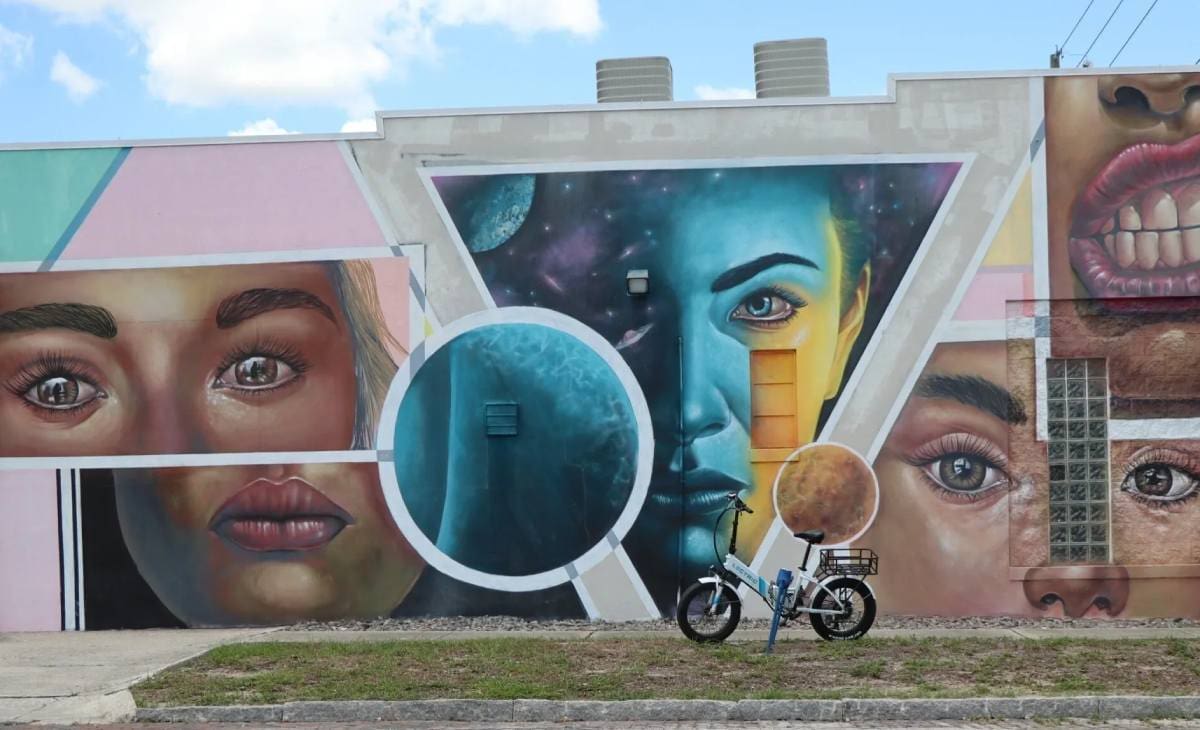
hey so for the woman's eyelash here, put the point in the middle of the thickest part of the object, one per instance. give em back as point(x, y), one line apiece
point(283, 351)
point(783, 294)
point(1179, 459)
point(958, 443)
point(48, 365)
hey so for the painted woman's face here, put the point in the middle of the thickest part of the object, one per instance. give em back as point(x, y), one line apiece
point(745, 268)
point(1124, 184)
point(945, 481)
point(159, 361)
point(266, 544)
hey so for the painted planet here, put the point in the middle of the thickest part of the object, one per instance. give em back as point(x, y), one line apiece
point(827, 487)
point(516, 448)
point(496, 209)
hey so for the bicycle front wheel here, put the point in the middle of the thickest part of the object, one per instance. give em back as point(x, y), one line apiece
point(703, 619)
point(856, 612)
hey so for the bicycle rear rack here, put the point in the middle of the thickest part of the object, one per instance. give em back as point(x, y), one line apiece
point(848, 561)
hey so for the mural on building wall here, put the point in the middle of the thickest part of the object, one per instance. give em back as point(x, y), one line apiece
point(741, 259)
point(276, 428)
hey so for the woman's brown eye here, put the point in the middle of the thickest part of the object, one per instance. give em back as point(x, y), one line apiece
point(1160, 482)
point(257, 372)
point(60, 393)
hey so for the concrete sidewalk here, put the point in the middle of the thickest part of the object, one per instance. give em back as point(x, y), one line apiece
point(803, 634)
point(69, 677)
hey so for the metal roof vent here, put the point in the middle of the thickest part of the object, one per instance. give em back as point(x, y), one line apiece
point(634, 79)
point(791, 68)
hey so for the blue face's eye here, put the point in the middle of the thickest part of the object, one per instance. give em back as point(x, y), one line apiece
point(759, 305)
point(766, 308)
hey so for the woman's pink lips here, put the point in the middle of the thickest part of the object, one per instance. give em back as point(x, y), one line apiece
point(277, 516)
point(1134, 171)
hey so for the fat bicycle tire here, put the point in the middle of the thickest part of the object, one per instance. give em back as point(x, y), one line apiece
point(694, 604)
point(843, 628)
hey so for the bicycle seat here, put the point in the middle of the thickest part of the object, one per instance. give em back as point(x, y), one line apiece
point(813, 536)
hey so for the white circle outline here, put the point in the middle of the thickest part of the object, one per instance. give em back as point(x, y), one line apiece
point(791, 458)
point(385, 441)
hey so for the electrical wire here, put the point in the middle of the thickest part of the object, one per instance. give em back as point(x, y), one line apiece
point(1102, 28)
point(1063, 45)
point(1132, 33)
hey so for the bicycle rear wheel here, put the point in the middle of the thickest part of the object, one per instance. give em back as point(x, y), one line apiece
point(857, 614)
point(701, 619)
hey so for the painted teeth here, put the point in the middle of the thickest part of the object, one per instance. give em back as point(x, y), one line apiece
point(1159, 231)
point(1158, 211)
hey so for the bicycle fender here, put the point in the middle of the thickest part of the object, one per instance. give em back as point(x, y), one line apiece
point(727, 584)
point(832, 578)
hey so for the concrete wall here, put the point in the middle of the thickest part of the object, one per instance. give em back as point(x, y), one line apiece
point(275, 381)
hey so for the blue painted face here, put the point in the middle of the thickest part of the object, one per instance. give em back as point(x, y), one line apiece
point(745, 260)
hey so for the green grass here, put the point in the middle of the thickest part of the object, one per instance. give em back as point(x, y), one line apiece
point(616, 669)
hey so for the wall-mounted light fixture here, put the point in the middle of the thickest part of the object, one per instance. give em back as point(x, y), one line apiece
point(637, 282)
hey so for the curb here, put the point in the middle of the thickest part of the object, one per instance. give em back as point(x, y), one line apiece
point(850, 710)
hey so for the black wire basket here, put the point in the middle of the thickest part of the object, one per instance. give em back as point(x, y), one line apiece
point(848, 561)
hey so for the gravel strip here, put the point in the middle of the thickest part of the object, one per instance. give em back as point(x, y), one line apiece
point(512, 623)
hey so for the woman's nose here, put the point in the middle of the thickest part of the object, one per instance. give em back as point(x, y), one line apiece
point(1143, 100)
point(1079, 588)
point(705, 411)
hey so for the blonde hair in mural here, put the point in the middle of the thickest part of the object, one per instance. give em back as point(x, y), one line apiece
point(374, 368)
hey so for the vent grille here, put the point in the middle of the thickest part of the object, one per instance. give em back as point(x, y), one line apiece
point(791, 68)
point(634, 79)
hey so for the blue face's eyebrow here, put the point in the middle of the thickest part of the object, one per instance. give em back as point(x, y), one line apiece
point(747, 271)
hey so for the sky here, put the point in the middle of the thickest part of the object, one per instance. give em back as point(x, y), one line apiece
point(142, 69)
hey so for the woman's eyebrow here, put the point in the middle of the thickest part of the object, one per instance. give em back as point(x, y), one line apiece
point(238, 308)
point(86, 318)
point(750, 269)
point(973, 391)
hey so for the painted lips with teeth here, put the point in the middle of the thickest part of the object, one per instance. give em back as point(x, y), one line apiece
point(1136, 229)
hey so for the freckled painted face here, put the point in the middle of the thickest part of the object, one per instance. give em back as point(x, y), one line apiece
point(945, 481)
point(216, 359)
point(749, 262)
point(266, 544)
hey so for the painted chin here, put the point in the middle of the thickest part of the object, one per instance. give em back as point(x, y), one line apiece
point(1135, 231)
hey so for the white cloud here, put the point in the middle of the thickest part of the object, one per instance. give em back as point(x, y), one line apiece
point(209, 52)
point(78, 83)
point(711, 93)
point(366, 124)
point(262, 126)
point(14, 49)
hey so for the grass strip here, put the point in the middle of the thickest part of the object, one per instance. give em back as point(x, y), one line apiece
point(620, 669)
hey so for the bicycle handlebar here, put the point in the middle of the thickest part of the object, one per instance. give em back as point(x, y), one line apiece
point(739, 504)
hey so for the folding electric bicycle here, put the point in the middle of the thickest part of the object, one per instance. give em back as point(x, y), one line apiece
point(841, 605)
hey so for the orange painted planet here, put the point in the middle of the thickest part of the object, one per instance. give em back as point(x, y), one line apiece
point(826, 487)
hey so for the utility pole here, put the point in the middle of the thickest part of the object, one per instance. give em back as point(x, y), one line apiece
point(1056, 58)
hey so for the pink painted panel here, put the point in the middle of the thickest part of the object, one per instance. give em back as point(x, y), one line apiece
point(29, 589)
point(990, 290)
point(169, 201)
point(391, 281)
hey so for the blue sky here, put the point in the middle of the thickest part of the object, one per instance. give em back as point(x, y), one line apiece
point(132, 69)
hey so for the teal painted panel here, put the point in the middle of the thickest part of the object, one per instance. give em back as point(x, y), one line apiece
point(41, 191)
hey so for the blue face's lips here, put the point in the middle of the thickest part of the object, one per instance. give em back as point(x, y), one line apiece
point(701, 492)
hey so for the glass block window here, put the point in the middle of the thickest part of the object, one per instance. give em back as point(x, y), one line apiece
point(1077, 446)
